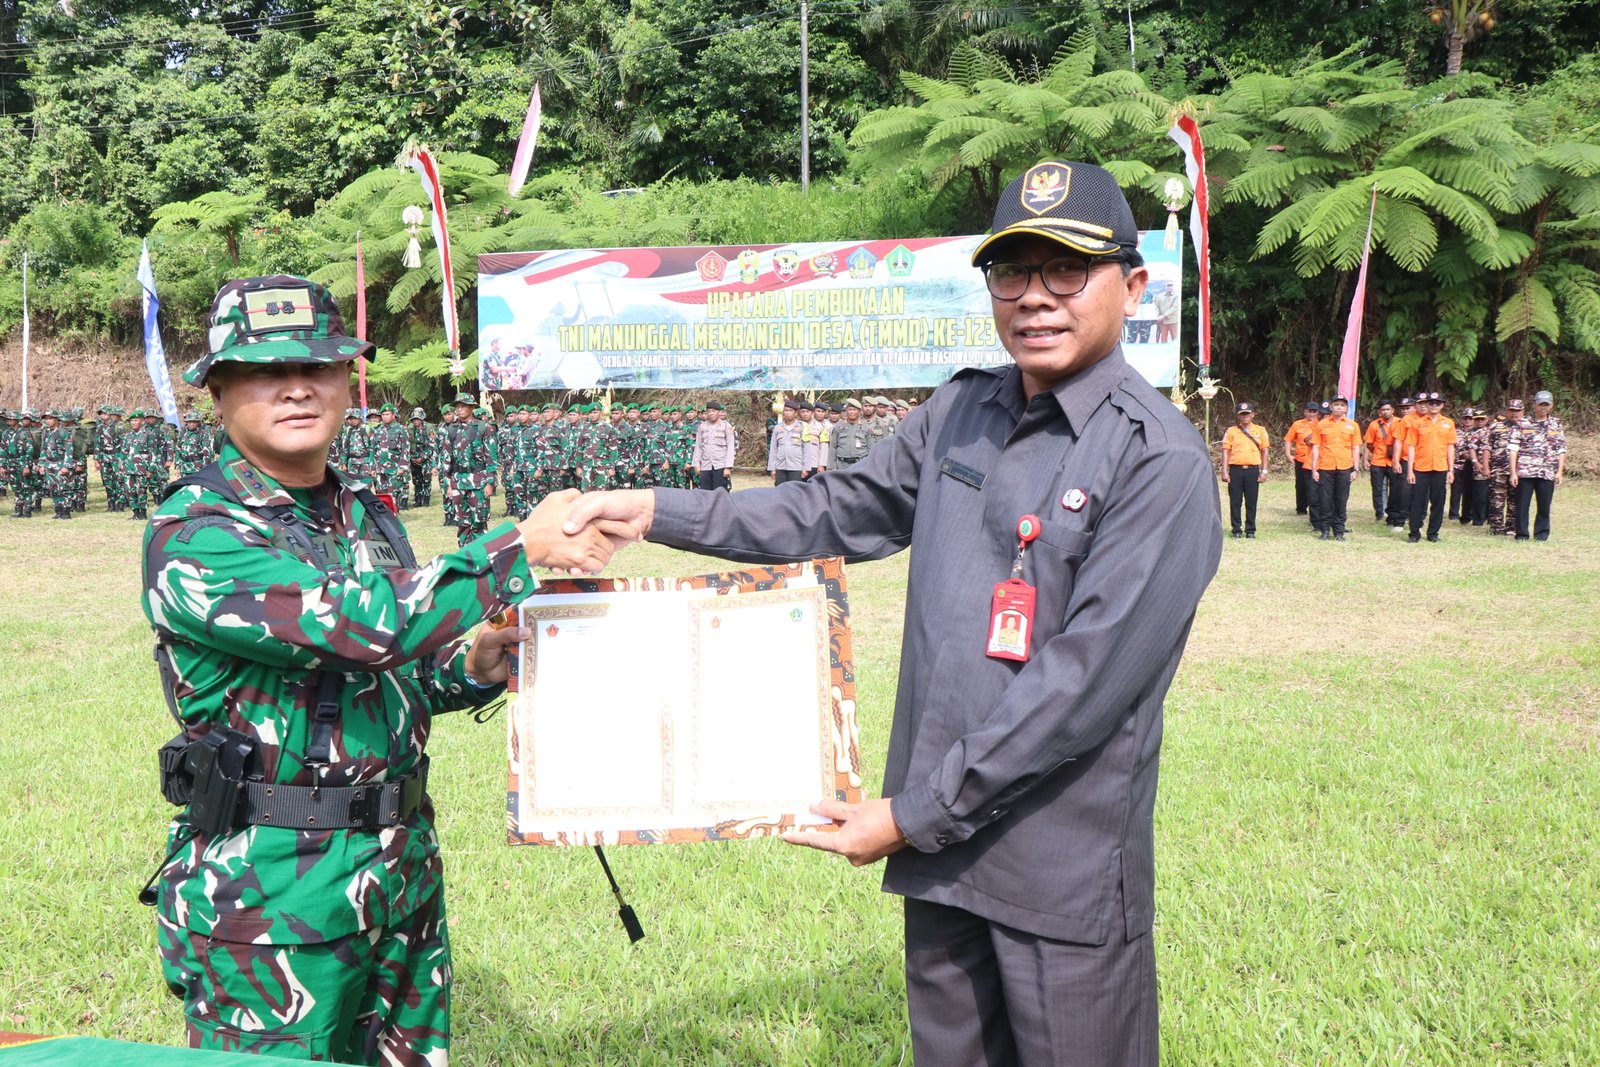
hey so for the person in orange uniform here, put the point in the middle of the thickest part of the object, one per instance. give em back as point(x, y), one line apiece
point(1297, 448)
point(1430, 459)
point(1245, 448)
point(1335, 461)
point(1403, 424)
point(1379, 442)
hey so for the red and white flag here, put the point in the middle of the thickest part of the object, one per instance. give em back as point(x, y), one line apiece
point(1350, 355)
point(530, 136)
point(361, 321)
point(422, 161)
point(1187, 134)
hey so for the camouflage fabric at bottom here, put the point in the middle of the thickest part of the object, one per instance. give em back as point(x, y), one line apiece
point(380, 996)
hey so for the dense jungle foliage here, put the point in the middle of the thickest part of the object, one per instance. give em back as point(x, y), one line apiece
point(249, 137)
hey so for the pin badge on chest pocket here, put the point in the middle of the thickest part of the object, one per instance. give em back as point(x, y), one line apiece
point(1074, 500)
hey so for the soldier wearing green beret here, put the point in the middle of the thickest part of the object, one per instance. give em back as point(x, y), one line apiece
point(304, 652)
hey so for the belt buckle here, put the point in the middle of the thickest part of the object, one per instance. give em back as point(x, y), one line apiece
point(365, 804)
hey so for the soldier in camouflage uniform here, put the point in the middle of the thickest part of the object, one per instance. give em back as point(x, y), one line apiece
point(8, 431)
point(311, 923)
point(55, 461)
point(391, 456)
point(420, 442)
point(195, 444)
point(1502, 506)
point(103, 447)
point(355, 447)
point(82, 442)
point(472, 461)
point(1538, 452)
point(144, 463)
point(21, 454)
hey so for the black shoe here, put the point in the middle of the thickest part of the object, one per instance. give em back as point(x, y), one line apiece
point(1541, 537)
point(139, 514)
point(1433, 538)
point(1520, 538)
point(1326, 536)
point(1338, 537)
point(1238, 533)
point(1414, 538)
point(1250, 535)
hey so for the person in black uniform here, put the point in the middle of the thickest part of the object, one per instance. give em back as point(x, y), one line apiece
point(1018, 797)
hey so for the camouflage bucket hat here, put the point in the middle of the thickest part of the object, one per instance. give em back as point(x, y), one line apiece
point(275, 319)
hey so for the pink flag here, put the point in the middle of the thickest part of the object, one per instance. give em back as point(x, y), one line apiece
point(530, 135)
point(1187, 134)
point(361, 321)
point(1351, 353)
point(423, 163)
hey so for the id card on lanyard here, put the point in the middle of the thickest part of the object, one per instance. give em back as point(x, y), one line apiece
point(1011, 607)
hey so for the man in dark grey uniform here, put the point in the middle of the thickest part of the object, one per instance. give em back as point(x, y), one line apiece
point(1018, 795)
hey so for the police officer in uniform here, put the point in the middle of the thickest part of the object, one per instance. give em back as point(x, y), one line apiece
point(786, 446)
point(851, 439)
point(300, 911)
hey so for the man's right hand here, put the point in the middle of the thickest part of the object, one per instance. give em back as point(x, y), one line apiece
point(584, 550)
point(623, 515)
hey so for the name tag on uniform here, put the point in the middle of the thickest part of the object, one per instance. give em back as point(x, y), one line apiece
point(962, 473)
point(381, 554)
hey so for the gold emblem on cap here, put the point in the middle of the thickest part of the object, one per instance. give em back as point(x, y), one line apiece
point(1045, 186)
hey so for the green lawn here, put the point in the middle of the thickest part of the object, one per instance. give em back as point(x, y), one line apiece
point(1376, 837)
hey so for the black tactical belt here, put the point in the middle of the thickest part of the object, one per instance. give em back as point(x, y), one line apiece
point(354, 807)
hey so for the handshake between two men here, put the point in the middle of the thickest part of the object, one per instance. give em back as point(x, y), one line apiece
point(577, 534)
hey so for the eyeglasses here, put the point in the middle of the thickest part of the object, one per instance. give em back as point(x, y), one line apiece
point(1061, 277)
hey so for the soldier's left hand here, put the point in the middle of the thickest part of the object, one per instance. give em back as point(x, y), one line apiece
point(866, 833)
point(489, 657)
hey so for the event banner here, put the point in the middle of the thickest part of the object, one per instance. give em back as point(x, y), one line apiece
point(846, 315)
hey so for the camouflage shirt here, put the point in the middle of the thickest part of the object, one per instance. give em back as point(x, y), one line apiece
point(249, 623)
point(1538, 445)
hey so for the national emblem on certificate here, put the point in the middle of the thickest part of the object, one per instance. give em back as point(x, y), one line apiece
point(649, 711)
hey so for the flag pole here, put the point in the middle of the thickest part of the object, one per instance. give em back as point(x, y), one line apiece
point(24, 330)
point(361, 322)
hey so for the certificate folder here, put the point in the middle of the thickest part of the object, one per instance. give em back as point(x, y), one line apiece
point(660, 711)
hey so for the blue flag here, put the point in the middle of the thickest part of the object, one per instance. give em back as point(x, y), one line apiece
point(155, 354)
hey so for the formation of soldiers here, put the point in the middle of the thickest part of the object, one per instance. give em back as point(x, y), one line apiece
point(814, 436)
point(532, 451)
point(1497, 472)
point(135, 452)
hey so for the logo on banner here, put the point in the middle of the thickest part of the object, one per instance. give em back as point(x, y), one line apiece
point(1045, 186)
point(863, 264)
point(749, 265)
point(824, 264)
point(785, 262)
point(900, 261)
point(712, 267)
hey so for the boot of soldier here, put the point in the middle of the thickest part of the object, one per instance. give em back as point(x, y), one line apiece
point(138, 513)
point(16, 510)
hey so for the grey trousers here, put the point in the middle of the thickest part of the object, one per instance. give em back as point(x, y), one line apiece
point(983, 993)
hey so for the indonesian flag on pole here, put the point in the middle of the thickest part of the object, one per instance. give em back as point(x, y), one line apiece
point(1350, 355)
point(1187, 134)
point(361, 321)
point(422, 161)
point(530, 136)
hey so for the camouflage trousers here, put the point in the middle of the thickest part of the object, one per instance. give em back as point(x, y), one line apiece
point(1502, 504)
point(421, 485)
point(381, 996)
point(472, 514)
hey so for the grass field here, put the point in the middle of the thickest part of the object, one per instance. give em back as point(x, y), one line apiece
point(1376, 831)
